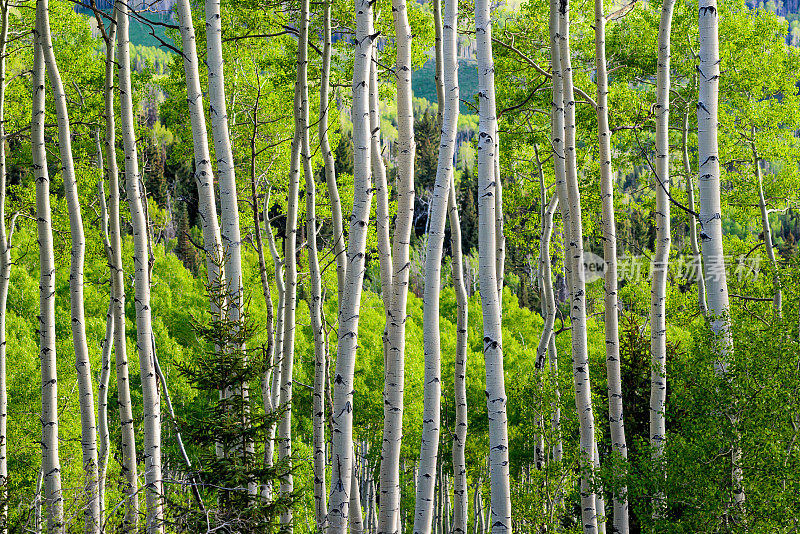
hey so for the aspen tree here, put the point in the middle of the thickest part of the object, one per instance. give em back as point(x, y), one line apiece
point(50, 476)
point(104, 444)
point(389, 518)
point(580, 357)
point(658, 293)
point(144, 326)
point(315, 309)
point(437, 217)
point(5, 275)
point(77, 255)
point(229, 205)
point(693, 232)
point(129, 467)
point(327, 154)
point(290, 262)
point(611, 315)
point(490, 283)
point(212, 241)
point(342, 416)
point(711, 211)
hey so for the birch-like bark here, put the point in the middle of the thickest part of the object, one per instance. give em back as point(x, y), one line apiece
point(342, 416)
point(693, 239)
point(129, 468)
point(437, 217)
point(383, 218)
point(212, 241)
point(611, 313)
point(557, 126)
point(460, 374)
point(777, 299)
point(315, 311)
point(218, 111)
point(53, 501)
point(144, 325)
point(490, 281)
point(580, 356)
point(104, 443)
point(711, 210)
point(546, 276)
point(658, 292)
point(438, 54)
point(5, 276)
point(356, 517)
point(77, 255)
point(394, 375)
point(290, 260)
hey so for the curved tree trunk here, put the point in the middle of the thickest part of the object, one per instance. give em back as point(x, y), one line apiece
point(490, 278)
point(51, 467)
point(104, 444)
point(580, 357)
point(129, 468)
point(144, 325)
point(290, 259)
point(342, 416)
point(394, 375)
point(315, 307)
point(77, 254)
point(658, 293)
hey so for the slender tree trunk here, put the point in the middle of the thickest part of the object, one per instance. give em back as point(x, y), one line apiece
point(711, 211)
point(658, 293)
point(144, 326)
point(383, 217)
point(77, 254)
point(129, 468)
point(315, 311)
point(580, 357)
point(490, 279)
point(697, 258)
point(327, 155)
point(611, 318)
point(105, 361)
point(342, 416)
point(51, 467)
point(229, 205)
point(394, 375)
point(356, 519)
point(5, 276)
point(212, 241)
point(460, 374)
point(290, 259)
point(777, 300)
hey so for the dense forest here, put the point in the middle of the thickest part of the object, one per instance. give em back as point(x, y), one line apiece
point(309, 266)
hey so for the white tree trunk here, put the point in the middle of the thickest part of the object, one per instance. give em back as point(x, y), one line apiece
point(580, 356)
point(5, 276)
point(394, 375)
point(290, 259)
point(658, 292)
point(611, 315)
point(144, 326)
point(51, 467)
point(77, 254)
point(104, 444)
point(315, 309)
point(212, 242)
point(342, 416)
point(693, 240)
point(711, 210)
point(129, 468)
point(490, 283)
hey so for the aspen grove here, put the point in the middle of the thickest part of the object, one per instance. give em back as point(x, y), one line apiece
point(309, 266)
